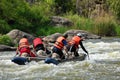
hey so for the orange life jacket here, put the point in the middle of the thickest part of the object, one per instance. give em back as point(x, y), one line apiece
point(75, 41)
point(37, 41)
point(59, 43)
point(23, 43)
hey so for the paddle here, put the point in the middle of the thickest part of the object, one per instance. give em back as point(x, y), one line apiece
point(88, 56)
point(36, 58)
point(69, 52)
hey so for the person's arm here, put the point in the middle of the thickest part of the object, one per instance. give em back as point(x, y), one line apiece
point(65, 48)
point(81, 44)
point(84, 49)
point(64, 42)
point(17, 52)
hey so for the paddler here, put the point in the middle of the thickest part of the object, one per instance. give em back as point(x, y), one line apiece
point(73, 45)
point(59, 46)
point(23, 49)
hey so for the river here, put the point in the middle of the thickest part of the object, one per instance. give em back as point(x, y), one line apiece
point(104, 64)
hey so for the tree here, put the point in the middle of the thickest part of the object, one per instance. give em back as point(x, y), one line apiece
point(64, 6)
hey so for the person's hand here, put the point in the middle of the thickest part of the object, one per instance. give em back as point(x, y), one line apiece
point(83, 39)
point(28, 58)
point(69, 52)
point(17, 53)
point(66, 55)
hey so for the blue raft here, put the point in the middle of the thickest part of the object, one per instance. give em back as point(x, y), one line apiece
point(51, 60)
point(48, 60)
point(56, 62)
point(20, 60)
point(24, 60)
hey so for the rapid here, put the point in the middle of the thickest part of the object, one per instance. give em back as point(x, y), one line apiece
point(104, 64)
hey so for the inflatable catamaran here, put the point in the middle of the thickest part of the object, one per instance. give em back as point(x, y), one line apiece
point(48, 60)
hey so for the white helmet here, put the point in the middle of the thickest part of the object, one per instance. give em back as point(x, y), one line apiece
point(79, 34)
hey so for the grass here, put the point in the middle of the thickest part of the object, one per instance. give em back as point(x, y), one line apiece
point(103, 26)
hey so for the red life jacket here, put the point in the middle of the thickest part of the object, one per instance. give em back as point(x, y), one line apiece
point(24, 47)
point(27, 50)
point(75, 40)
point(37, 41)
point(59, 43)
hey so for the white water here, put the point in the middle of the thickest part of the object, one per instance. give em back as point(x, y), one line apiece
point(104, 64)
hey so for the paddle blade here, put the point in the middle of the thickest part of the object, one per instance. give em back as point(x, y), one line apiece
point(20, 60)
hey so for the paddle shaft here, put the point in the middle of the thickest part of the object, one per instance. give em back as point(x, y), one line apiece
point(35, 58)
point(88, 56)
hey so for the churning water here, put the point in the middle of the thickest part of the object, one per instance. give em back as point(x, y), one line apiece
point(104, 64)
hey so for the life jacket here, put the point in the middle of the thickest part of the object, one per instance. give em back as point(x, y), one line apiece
point(37, 41)
point(27, 50)
point(59, 43)
point(23, 43)
point(24, 47)
point(75, 41)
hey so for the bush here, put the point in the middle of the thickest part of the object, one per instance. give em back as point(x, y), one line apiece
point(118, 30)
point(6, 40)
point(4, 27)
point(105, 26)
point(81, 22)
point(51, 30)
point(18, 14)
point(115, 6)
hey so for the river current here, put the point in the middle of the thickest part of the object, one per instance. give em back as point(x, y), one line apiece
point(104, 64)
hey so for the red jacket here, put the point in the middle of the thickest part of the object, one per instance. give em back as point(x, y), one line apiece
point(37, 41)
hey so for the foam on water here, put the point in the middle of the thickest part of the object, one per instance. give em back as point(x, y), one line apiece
point(106, 53)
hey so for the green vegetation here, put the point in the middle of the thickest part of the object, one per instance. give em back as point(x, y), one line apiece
point(81, 22)
point(34, 17)
point(115, 7)
point(6, 40)
point(19, 14)
point(106, 26)
point(51, 30)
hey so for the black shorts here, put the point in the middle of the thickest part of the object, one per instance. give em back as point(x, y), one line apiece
point(59, 52)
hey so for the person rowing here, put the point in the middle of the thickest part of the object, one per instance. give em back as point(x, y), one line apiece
point(23, 49)
point(73, 45)
point(39, 48)
point(24, 53)
point(59, 46)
